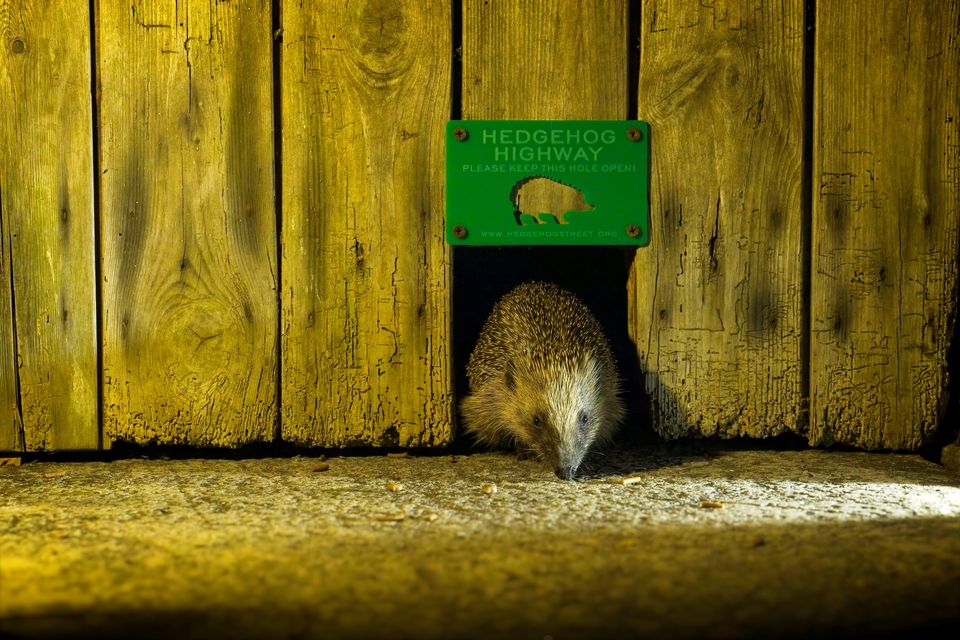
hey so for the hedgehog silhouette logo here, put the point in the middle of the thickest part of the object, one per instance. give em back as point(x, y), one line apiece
point(539, 195)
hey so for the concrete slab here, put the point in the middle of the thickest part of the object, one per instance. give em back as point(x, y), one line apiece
point(699, 542)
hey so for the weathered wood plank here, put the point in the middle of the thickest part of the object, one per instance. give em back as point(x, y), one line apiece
point(365, 295)
point(886, 208)
point(537, 59)
point(527, 59)
point(188, 223)
point(717, 296)
point(11, 426)
point(46, 206)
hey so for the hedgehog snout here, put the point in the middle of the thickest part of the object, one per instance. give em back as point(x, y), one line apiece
point(567, 463)
point(566, 473)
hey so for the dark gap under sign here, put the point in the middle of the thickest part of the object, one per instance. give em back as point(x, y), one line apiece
point(548, 182)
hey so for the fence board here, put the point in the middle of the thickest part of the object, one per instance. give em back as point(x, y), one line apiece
point(537, 60)
point(188, 223)
point(11, 427)
point(718, 293)
point(365, 302)
point(46, 211)
point(886, 216)
point(529, 60)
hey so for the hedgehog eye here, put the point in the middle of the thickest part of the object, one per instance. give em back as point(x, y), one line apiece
point(537, 421)
point(583, 419)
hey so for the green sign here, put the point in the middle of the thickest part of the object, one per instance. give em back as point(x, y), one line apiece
point(543, 182)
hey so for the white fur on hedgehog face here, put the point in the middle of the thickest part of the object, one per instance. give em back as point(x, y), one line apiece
point(557, 415)
point(574, 412)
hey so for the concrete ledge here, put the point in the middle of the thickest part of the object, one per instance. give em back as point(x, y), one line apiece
point(697, 543)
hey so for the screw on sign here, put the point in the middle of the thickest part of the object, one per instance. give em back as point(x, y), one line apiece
point(460, 231)
point(633, 230)
point(634, 134)
point(460, 134)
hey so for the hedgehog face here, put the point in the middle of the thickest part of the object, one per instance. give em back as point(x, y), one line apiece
point(557, 413)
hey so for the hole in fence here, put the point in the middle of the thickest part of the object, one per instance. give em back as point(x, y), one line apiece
point(597, 275)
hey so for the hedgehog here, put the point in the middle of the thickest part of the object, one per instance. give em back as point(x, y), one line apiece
point(542, 378)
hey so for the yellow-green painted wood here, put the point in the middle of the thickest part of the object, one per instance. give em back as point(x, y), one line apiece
point(188, 222)
point(717, 311)
point(47, 219)
point(365, 297)
point(886, 219)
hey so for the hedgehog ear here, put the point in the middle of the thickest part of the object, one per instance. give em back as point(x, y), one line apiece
point(508, 377)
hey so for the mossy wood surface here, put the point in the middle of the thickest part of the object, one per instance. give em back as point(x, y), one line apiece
point(886, 212)
point(717, 311)
point(47, 220)
point(365, 299)
point(188, 223)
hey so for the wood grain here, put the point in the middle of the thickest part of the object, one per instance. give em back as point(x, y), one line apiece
point(886, 207)
point(188, 223)
point(717, 296)
point(365, 296)
point(47, 219)
point(533, 59)
point(11, 425)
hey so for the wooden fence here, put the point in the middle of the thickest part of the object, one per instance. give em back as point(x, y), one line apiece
point(223, 222)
